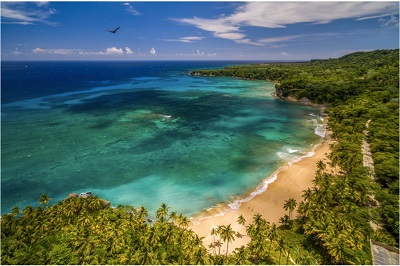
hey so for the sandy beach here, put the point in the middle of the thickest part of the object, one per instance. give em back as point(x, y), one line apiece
point(290, 183)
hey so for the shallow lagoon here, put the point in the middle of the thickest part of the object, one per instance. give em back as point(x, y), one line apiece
point(189, 142)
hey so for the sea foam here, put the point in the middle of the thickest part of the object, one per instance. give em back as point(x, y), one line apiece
point(320, 127)
point(289, 154)
point(235, 205)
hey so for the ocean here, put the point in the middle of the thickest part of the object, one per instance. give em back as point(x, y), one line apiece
point(144, 133)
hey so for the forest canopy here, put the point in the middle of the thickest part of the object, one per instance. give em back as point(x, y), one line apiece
point(325, 81)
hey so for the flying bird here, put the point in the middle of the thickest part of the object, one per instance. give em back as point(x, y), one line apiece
point(113, 31)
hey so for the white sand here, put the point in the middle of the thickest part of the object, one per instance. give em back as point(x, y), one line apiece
point(289, 183)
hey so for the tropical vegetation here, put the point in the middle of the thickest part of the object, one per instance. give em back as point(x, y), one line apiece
point(90, 231)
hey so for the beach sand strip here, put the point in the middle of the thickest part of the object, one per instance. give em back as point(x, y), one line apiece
point(290, 183)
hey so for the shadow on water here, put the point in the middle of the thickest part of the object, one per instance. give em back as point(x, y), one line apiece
point(203, 108)
point(119, 101)
point(101, 124)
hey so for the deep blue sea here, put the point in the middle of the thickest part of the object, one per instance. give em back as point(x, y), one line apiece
point(143, 133)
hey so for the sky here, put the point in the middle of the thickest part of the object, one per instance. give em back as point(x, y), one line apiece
point(208, 30)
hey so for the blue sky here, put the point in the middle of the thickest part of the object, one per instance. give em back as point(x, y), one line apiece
point(225, 30)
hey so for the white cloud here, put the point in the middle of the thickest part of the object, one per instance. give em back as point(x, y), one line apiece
point(188, 39)
point(83, 53)
point(197, 54)
point(17, 22)
point(130, 9)
point(219, 25)
point(114, 51)
point(26, 13)
point(128, 50)
point(389, 21)
point(16, 52)
point(280, 14)
point(38, 50)
point(291, 37)
point(284, 53)
point(230, 35)
point(153, 51)
point(42, 3)
point(109, 51)
point(191, 38)
point(56, 51)
point(248, 41)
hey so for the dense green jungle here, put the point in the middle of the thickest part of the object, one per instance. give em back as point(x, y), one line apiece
point(339, 214)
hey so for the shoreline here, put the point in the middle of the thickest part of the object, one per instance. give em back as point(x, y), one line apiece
point(267, 199)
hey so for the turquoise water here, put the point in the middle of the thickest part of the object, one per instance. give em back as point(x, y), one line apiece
point(189, 142)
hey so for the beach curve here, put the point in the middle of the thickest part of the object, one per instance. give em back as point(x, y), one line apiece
point(267, 199)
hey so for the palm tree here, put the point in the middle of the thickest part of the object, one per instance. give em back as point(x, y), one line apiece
point(241, 220)
point(219, 230)
point(169, 232)
point(258, 220)
point(321, 166)
point(288, 255)
point(184, 221)
point(162, 212)
point(173, 216)
point(281, 247)
point(84, 220)
point(241, 256)
point(317, 181)
point(95, 204)
point(305, 209)
point(228, 235)
point(28, 210)
point(197, 241)
point(200, 257)
point(142, 213)
point(15, 211)
point(44, 200)
point(334, 157)
point(214, 232)
point(218, 244)
point(212, 246)
point(307, 194)
point(146, 256)
point(338, 248)
point(290, 205)
point(272, 235)
point(284, 220)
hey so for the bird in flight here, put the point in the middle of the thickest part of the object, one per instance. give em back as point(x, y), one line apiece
point(114, 31)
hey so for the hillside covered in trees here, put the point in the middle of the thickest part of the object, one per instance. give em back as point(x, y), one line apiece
point(325, 81)
point(337, 213)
